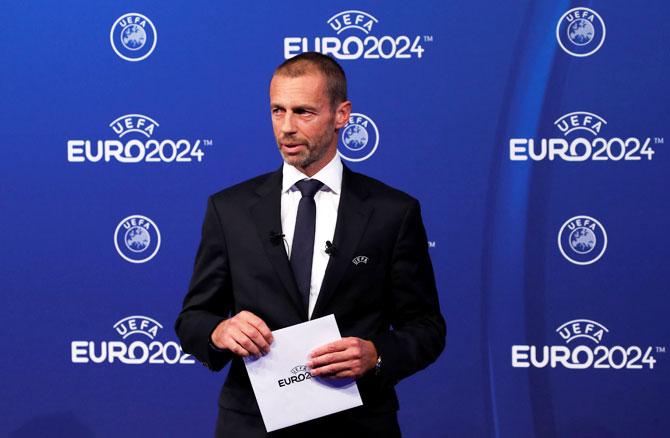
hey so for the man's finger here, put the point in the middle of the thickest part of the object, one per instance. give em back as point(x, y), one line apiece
point(236, 348)
point(333, 347)
point(256, 337)
point(331, 369)
point(260, 325)
point(246, 343)
point(328, 358)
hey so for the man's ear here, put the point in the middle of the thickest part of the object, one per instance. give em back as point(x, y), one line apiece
point(342, 113)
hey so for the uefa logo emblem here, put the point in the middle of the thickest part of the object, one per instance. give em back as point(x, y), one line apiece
point(133, 37)
point(582, 240)
point(359, 138)
point(580, 32)
point(137, 239)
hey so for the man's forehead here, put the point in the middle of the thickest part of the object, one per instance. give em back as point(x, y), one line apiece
point(312, 85)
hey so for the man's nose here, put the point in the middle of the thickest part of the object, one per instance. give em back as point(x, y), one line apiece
point(287, 126)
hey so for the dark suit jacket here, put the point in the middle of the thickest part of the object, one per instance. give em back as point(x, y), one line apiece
point(390, 300)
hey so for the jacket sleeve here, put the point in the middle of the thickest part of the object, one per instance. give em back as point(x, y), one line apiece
point(418, 330)
point(209, 299)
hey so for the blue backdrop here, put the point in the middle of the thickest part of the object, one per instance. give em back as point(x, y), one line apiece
point(532, 132)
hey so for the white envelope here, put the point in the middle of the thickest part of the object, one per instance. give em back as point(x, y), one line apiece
point(285, 391)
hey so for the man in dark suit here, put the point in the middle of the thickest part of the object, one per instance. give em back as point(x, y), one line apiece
point(311, 239)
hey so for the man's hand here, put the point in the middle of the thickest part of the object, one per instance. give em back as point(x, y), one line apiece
point(244, 334)
point(348, 357)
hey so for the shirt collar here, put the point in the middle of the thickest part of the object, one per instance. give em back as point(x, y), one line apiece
point(330, 175)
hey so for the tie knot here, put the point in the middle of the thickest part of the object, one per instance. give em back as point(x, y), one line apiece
point(309, 187)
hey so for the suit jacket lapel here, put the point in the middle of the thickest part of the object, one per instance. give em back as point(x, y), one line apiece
point(352, 217)
point(266, 214)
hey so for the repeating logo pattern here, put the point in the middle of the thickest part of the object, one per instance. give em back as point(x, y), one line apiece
point(359, 138)
point(585, 355)
point(143, 349)
point(133, 37)
point(135, 148)
point(582, 240)
point(137, 239)
point(581, 140)
point(580, 32)
point(359, 43)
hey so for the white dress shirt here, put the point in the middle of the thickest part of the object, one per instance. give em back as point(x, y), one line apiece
point(327, 199)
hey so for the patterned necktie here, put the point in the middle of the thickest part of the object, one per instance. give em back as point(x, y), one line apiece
point(302, 249)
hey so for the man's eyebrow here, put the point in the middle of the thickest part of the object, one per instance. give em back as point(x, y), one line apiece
point(304, 108)
point(296, 108)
